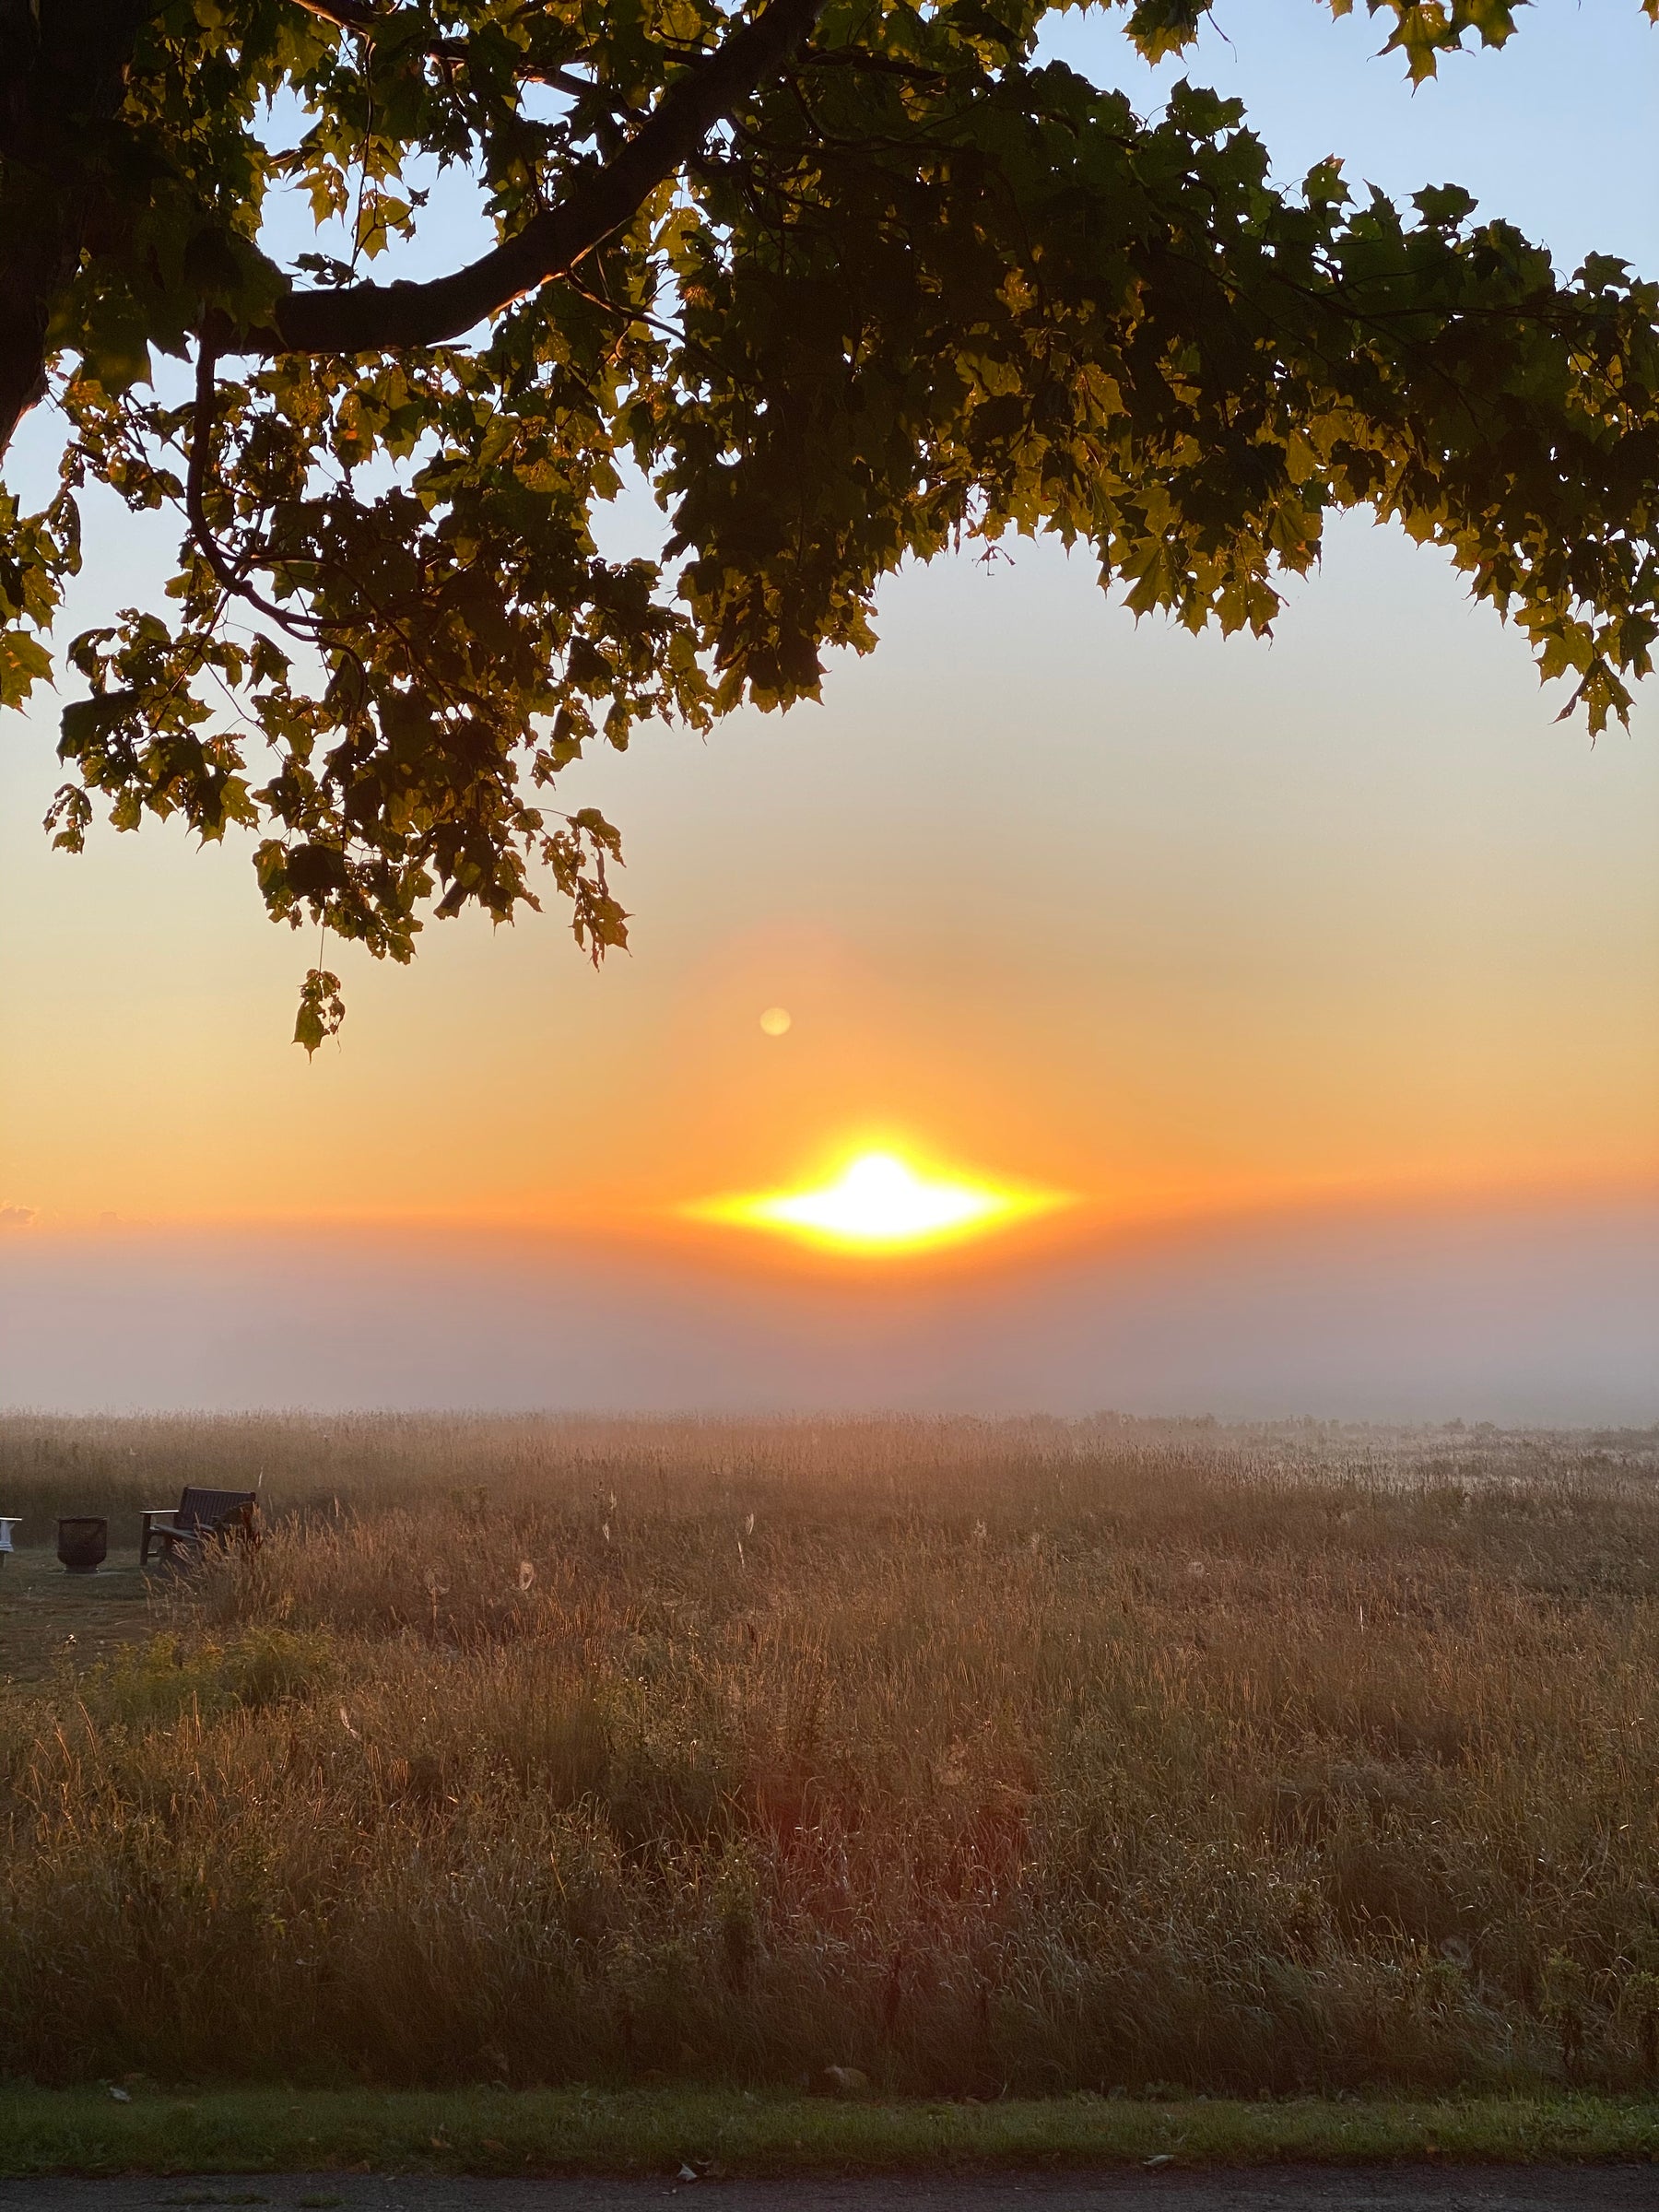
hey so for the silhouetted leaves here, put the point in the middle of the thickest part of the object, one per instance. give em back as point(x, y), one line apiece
point(916, 291)
point(322, 1009)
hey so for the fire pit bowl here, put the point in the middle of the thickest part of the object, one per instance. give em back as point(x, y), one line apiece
point(82, 1543)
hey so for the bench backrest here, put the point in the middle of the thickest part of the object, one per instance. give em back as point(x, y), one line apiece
point(206, 1511)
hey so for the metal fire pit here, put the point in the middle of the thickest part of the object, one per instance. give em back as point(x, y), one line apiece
point(82, 1543)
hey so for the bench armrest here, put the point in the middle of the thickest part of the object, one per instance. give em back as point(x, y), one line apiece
point(158, 1520)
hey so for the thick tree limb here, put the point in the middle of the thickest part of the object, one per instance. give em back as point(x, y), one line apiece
point(61, 76)
point(376, 318)
point(30, 256)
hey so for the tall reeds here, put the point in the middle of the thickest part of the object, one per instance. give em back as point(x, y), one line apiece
point(1046, 1756)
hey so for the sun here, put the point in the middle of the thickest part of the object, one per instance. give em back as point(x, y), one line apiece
point(878, 1202)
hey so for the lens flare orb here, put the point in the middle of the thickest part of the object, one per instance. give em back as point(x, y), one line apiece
point(878, 1202)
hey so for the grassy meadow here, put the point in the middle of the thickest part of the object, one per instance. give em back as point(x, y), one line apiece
point(989, 1759)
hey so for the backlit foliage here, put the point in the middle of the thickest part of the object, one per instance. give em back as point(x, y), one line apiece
point(889, 284)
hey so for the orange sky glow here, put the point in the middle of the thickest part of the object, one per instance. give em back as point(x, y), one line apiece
point(1092, 931)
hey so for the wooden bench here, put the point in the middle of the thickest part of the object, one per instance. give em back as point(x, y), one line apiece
point(200, 1517)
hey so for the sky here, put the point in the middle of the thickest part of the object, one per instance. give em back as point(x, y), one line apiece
point(1320, 973)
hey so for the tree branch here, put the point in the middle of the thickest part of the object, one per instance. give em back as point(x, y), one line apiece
point(858, 57)
point(376, 318)
point(230, 580)
point(62, 79)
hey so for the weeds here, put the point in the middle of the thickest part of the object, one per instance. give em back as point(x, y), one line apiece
point(976, 1758)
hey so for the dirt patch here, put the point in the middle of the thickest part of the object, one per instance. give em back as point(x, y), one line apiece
point(48, 1617)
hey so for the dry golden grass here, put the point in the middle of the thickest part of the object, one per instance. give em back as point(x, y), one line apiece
point(1033, 1755)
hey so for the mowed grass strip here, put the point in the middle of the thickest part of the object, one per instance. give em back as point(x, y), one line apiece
point(717, 2135)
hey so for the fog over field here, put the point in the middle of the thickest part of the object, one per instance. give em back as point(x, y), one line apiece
point(1550, 1315)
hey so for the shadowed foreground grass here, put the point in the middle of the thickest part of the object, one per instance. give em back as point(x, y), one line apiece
point(715, 2135)
point(994, 1760)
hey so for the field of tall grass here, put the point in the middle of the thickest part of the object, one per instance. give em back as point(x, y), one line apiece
point(1029, 1756)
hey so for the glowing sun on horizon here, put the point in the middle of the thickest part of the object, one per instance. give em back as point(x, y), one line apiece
point(880, 1203)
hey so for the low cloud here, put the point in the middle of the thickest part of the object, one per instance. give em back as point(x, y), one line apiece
point(16, 1216)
